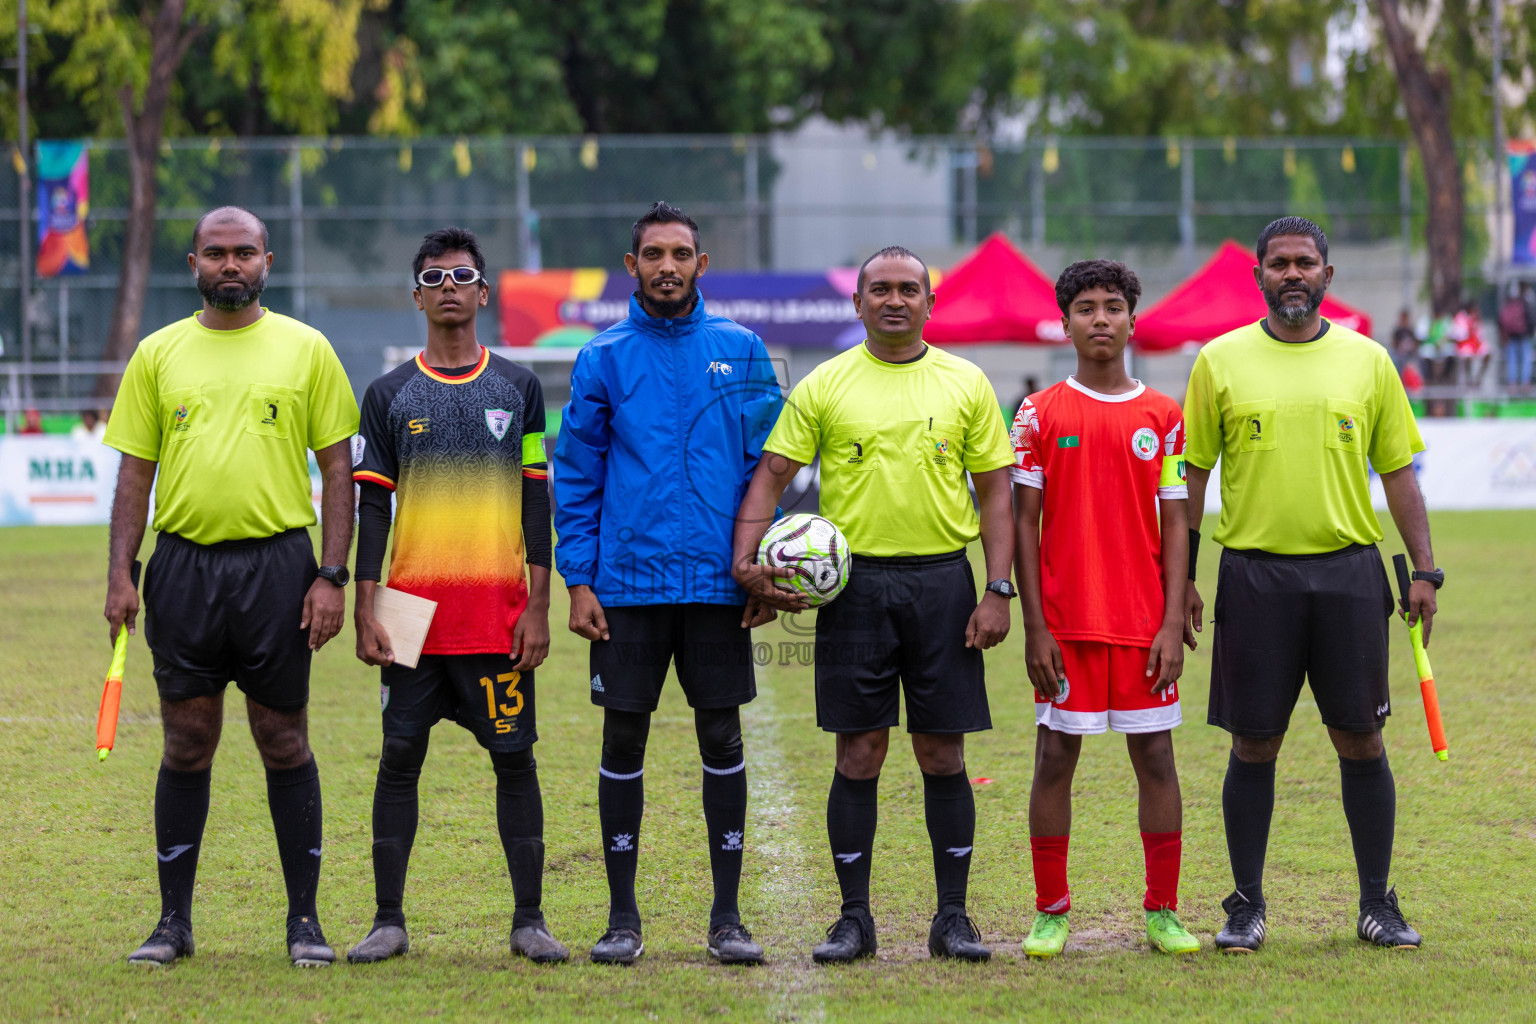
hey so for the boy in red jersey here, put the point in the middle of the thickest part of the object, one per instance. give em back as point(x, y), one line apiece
point(1102, 582)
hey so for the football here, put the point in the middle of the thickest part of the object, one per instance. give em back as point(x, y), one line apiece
point(814, 549)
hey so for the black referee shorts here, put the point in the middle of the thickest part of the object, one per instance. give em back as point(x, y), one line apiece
point(900, 625)
point(1279, 618)
point(713, 655)
point(231, 610)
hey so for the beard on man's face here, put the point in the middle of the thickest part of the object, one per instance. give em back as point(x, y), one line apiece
point(225, 298)
point(1290, 308)
point(688, 294)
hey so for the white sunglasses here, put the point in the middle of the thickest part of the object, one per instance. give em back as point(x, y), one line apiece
point(433, 277)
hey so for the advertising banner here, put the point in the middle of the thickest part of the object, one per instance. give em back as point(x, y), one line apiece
point(63, 200)
point(56, 480)
point(1466, 464)
point(566, 307)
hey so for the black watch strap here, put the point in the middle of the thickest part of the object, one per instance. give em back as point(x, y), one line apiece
point(336, 574)
point(1436, 577)
point(1003, 587)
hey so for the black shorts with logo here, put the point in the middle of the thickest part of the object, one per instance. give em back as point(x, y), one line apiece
point(231, 610)
point(1279, 618)
point(485, 693)
point(712, 651)
point(901, 618)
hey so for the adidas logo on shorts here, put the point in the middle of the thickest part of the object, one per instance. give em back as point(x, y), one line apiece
point(597, 684)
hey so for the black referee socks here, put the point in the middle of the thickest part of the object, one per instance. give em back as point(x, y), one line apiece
point(950, 807)
point(1370, 807)
point(1247, 805)
point(852, 809)
point(181, 811)
point(293, 795)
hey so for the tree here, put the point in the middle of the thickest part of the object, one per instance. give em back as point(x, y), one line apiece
point(1426, 96)
point(118, 66)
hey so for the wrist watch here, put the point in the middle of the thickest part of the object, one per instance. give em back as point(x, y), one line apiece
point(336, 574)
point(1002, 587)
point(1436, 577)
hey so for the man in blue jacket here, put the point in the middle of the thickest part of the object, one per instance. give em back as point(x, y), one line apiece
point(667, 418)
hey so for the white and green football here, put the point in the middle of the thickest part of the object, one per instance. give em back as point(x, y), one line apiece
point(814, 549)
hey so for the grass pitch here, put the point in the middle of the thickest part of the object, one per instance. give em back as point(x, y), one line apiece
point(77, 879)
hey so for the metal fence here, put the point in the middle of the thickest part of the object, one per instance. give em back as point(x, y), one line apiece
point(346, 214)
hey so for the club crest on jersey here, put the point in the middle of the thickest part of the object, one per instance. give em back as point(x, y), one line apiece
point(1144, 443)
point(498, 420)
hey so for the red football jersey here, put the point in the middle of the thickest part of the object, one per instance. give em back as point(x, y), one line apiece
point(1102, 461)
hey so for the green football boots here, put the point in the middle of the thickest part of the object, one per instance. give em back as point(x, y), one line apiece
point(1166, 935)
point(1047, 937)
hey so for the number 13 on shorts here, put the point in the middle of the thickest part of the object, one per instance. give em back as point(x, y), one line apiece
point(499, 712)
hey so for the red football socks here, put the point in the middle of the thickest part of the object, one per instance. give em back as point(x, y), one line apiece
point(1050, 857)
point(1162, 851)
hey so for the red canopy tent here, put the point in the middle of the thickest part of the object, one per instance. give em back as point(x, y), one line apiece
point(995, 294)
point(1218, 298)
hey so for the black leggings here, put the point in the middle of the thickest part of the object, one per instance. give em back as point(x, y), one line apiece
point(625, 734)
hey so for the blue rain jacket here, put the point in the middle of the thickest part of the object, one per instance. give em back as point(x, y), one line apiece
point(665, 425)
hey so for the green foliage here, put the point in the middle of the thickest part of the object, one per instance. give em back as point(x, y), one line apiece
point(451, 67)
point(253, 66)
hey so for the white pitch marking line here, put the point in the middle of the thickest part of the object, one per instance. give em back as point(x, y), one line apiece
point(786, 877)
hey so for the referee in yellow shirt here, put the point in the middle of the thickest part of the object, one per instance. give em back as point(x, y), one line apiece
point(1298, 410)
point(898, 425)
point(225, 404)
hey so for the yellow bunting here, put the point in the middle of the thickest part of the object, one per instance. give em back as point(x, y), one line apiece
point(1290, 162)
point(530, 158)
point(17, 161)
point(214, 145)
point(1172, 154)
point(1229, 149)
point(405, 159)
point(589, 153)
point(1050, 163)
point(1347, 159)
point(461, 157)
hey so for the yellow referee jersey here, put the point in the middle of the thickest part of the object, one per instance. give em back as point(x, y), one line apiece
point(1294, 426)
point(229, 415)
point(896, 440)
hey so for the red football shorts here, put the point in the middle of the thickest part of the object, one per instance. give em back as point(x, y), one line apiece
point(1108, 688)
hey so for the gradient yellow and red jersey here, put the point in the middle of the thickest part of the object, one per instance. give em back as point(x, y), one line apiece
point(456, 448)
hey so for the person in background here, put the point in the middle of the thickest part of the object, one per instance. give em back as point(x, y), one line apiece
point(1405, 341)
point(1436, 351)
point(1515, 336)
point(90, 428)
point(32, 422)
point(1471, 350)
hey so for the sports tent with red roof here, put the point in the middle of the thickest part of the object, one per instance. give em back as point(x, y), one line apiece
point(1221, 297)
point(995, 295)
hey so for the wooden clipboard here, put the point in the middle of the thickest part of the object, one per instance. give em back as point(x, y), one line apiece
point(406, 619)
